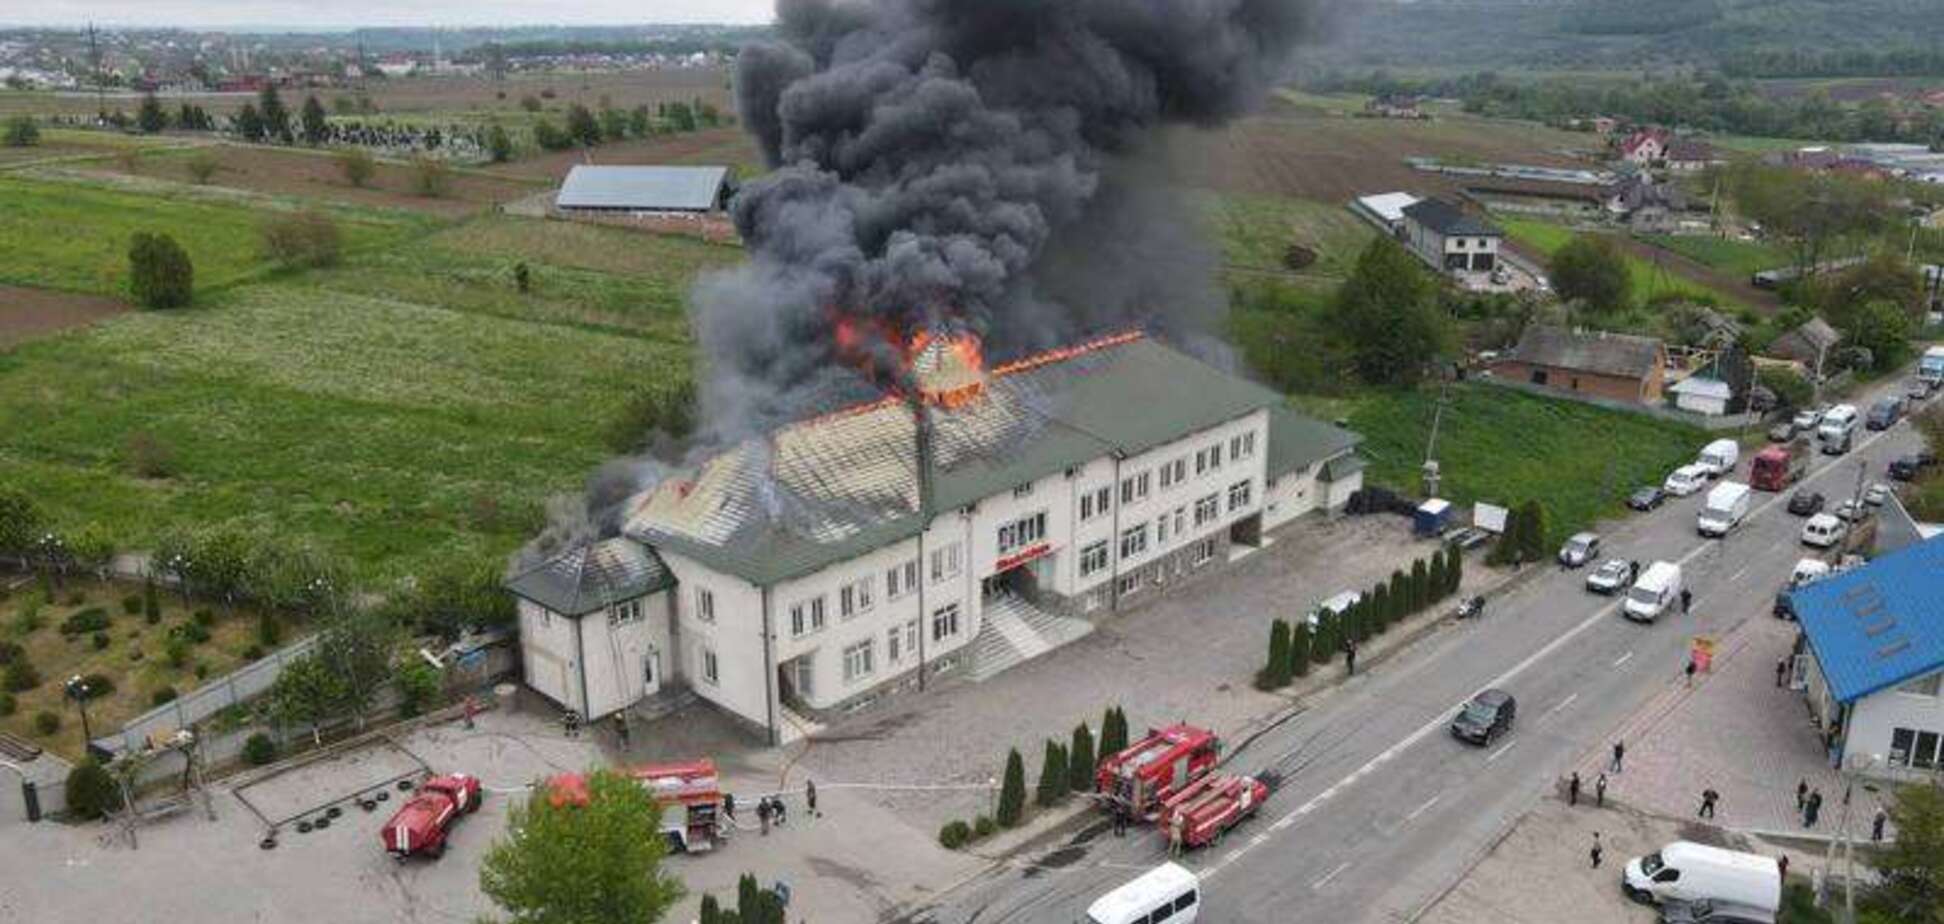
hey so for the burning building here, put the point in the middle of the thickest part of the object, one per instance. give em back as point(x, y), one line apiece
point(974, 513)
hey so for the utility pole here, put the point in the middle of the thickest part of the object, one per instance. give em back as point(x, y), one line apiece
point(1432, 475)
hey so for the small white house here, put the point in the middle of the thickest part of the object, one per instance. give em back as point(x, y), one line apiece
point(1450, 241)
point(1702, 395)
point(1312, 466)
point(597, 626)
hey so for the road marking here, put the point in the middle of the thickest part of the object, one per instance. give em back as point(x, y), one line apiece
point(1568, 701)
point(1320, 883)
point(1623, 659)
point(1422, 808)
point(1258, 839)
point(1495, 754)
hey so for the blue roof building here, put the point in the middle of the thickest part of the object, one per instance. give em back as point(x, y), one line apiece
point(1874, 638)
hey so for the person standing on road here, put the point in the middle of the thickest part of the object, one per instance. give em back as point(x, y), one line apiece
point(1572, 789)
point(1876, 825)
point(729, 807)
point(1595, 852)
point(1687, 600)
point(1688, 673)
point(1120, 820)
point(763, 814)
point(1813, 809)
point(1599, 792)
point(1633, 571)
point(810, 795)
point(1782, 868)
point(1174, 835)
point(1708, 799)
point(1349, 658)
point(1619, 755)
point(1782, 673)
point(570, 724)
point(1802, 794)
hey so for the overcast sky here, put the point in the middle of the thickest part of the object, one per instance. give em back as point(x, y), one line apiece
point(295, 15)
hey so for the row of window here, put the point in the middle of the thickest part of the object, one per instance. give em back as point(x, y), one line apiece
point(858, 597)
point(1137, 487)
point(1134, 539)
point(900, 642)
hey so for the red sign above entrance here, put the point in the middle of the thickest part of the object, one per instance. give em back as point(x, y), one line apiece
point(1039, 550)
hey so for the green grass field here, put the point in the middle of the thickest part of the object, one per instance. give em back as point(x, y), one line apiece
point(1743, 258)
point(1255, 232)
point(1506, 447)
point(1649, 282)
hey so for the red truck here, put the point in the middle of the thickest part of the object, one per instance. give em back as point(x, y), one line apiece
point(1138, 779)
point(689, 793)
point(1779, 465)
point(1205, 809)
point(422, 825)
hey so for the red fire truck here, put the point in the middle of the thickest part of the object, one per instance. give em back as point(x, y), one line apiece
point(421, 825)
point(690, 794)
point(1138, 779)
point(1206, 808)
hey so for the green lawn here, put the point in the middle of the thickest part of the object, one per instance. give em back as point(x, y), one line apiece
point(1649, 282)
point(1507, 447)
point(1744, 258)
point(1255, 232)
point(75, 236)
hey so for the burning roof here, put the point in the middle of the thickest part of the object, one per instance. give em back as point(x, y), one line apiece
point(827, 488)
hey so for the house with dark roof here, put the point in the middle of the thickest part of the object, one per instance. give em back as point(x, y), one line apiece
point(1646, 147)
point(640, 189)
point(985, 519)
point(1620, 367)
point(597, 625)
point(1686, 155)
point(1808, 344)
point(1450, 240)
point(1871, 659)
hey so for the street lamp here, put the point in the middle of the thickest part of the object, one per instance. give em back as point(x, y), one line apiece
point(77, 690)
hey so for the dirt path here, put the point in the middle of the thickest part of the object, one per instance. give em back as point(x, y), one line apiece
point(29, 313)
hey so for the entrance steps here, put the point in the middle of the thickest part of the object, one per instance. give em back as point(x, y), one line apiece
point(1016, 630)
point(792, 725)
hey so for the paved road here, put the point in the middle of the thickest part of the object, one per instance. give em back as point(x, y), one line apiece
point(1379, 809)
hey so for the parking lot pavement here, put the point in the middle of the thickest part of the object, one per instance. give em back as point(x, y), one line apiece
point(1542, 871)
point(1189, 656)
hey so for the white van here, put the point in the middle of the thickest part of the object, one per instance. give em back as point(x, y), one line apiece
point(1719, 457)
point(1824, 530)
point(1658, 589)
point(1334, 607)
point(1724, 509)
point(1686, 480)
point(1167, 893)
point(1837, 429)
point(1686, 871)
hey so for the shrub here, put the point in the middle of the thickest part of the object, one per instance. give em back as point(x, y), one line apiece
point(164, 695)
point(259, 750)
point(418, 686)
point(984, 826)
point(357, 166)
point(1080, 760)
point(307, 238)
point(499, 144)
point(1053, 775)
point(132, 604)
point(191, 633)
point(7, 704)
point(91, 619)
point(47, 723)
point(91, 792)
point(160, 274)
point(76, 598)
point(203, 618)
point(1012, 793)
point(21, 132)
point(202, 670)
point(1299, 648)
point(201, 166)
point(9, 651)
point(101, 641)
point(1275, 674)
point(151, 603)
point(253, 653)
point(269, 630)
point(177, 650)
point(431, 177)
point(954, 834)
point(530, 103)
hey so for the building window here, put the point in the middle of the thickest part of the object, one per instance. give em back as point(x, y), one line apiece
point(945, 622)
point(798, 624)
point(1161, 530)
point(1201, 461)
point(1204, 552)
point(1022, 532)
point(1095, 503)
point(854, 598)
point(900, 579)
point(1024, 490)
point(1129, 583)
point(817, 614)
point(1167, 475)
point(1135, 487)
point(705, 604)
point(1093, 558)
point(1181, 521)
point(709, 667)
point(622, 614)
point(1239, 495)
point(894, 645)
point(1208, 509)
point(945, 562)
point(1912, 748)
point(807, 616)
point(858, 660)
point(1133, 541)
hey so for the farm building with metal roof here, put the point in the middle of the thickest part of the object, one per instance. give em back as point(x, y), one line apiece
point(602, 188)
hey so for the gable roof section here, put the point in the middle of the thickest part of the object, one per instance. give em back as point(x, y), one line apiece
point(1804, 342)
point(1599, 352)
point(1448, 219)
point(1879, 625)
point(591, 577)
point(1298, 441)
point(688, 189)
point(1690, 150)
point(842, 484)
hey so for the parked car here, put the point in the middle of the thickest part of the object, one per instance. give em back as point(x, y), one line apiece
point(1850, 511)
point(1708, 911)
point(1824, 530)
point(1609, 577)
point(1806, 419)
point(1885, 413)
point(1579, 550)
point(1808, 571)
point(1686, 480)
point(1876, 494)
point(1782, 432)
point(1469, 538)
point(1908, 465)
point(1646, 498)
point(1917, 389)
point(1806, 503)
point(1686, 871)
point(1486, 717)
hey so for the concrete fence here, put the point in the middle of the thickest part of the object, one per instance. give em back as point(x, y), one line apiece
point(159, 724)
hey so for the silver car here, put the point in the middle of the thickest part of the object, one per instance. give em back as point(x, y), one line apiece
point(1609, 578)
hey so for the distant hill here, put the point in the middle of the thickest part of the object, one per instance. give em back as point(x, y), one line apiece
point(1748, 37)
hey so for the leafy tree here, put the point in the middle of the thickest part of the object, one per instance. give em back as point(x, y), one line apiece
point(638, 122)
point(219, 564)
point(550, 137)
point(1590, 269)
point(276, 119)
point(499, 144)
point(1080, 760)
point(21, 523)
point(1299, 648)
point(454, 597)
point(315, 124)
point(1012, 791)
point(358, 643)
point(1532, 531)
point(1387, 314)
point(582, 128)
point(301, 239)
point(614, 124)
point(91, 548)
point(249, 123)
point(681, 116)
point(307, 692)
point(1053, 775)
point(565, 864)
point(1275, 675)
point(357, 166)
point(1912, 865)
point(1880, 327)
point(21, 132)
point(160, 274)
point(91, 791)
point(150, 118)
point(418, 686)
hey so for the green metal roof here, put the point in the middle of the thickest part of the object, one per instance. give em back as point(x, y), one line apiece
point(591, 577)
point(834, 487)
point(1298, 441)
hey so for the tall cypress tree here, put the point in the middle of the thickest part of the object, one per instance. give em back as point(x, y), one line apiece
point(1420, 586)
point(1379, 600)
point(1454, 570)
point(1012, 792)
point(1299, 648)
point(1400, 596)
point(1327, 639)
point(1532, 520)
point(1275, 675)
point(1434, 577)
point(1080, 760)
point(1053, 775)
point(1113, 732)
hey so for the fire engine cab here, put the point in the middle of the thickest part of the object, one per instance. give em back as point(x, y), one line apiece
point(422, 825)
point(1139, 779)
point(690, 794)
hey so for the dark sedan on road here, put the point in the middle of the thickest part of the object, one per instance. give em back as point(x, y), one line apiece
point(1907, 466)
point(1806, 503)
point(1884, 414)
point(1646, 498)
point(1488, 716)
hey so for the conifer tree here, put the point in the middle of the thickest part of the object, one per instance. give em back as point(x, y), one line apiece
point(1012, 792)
